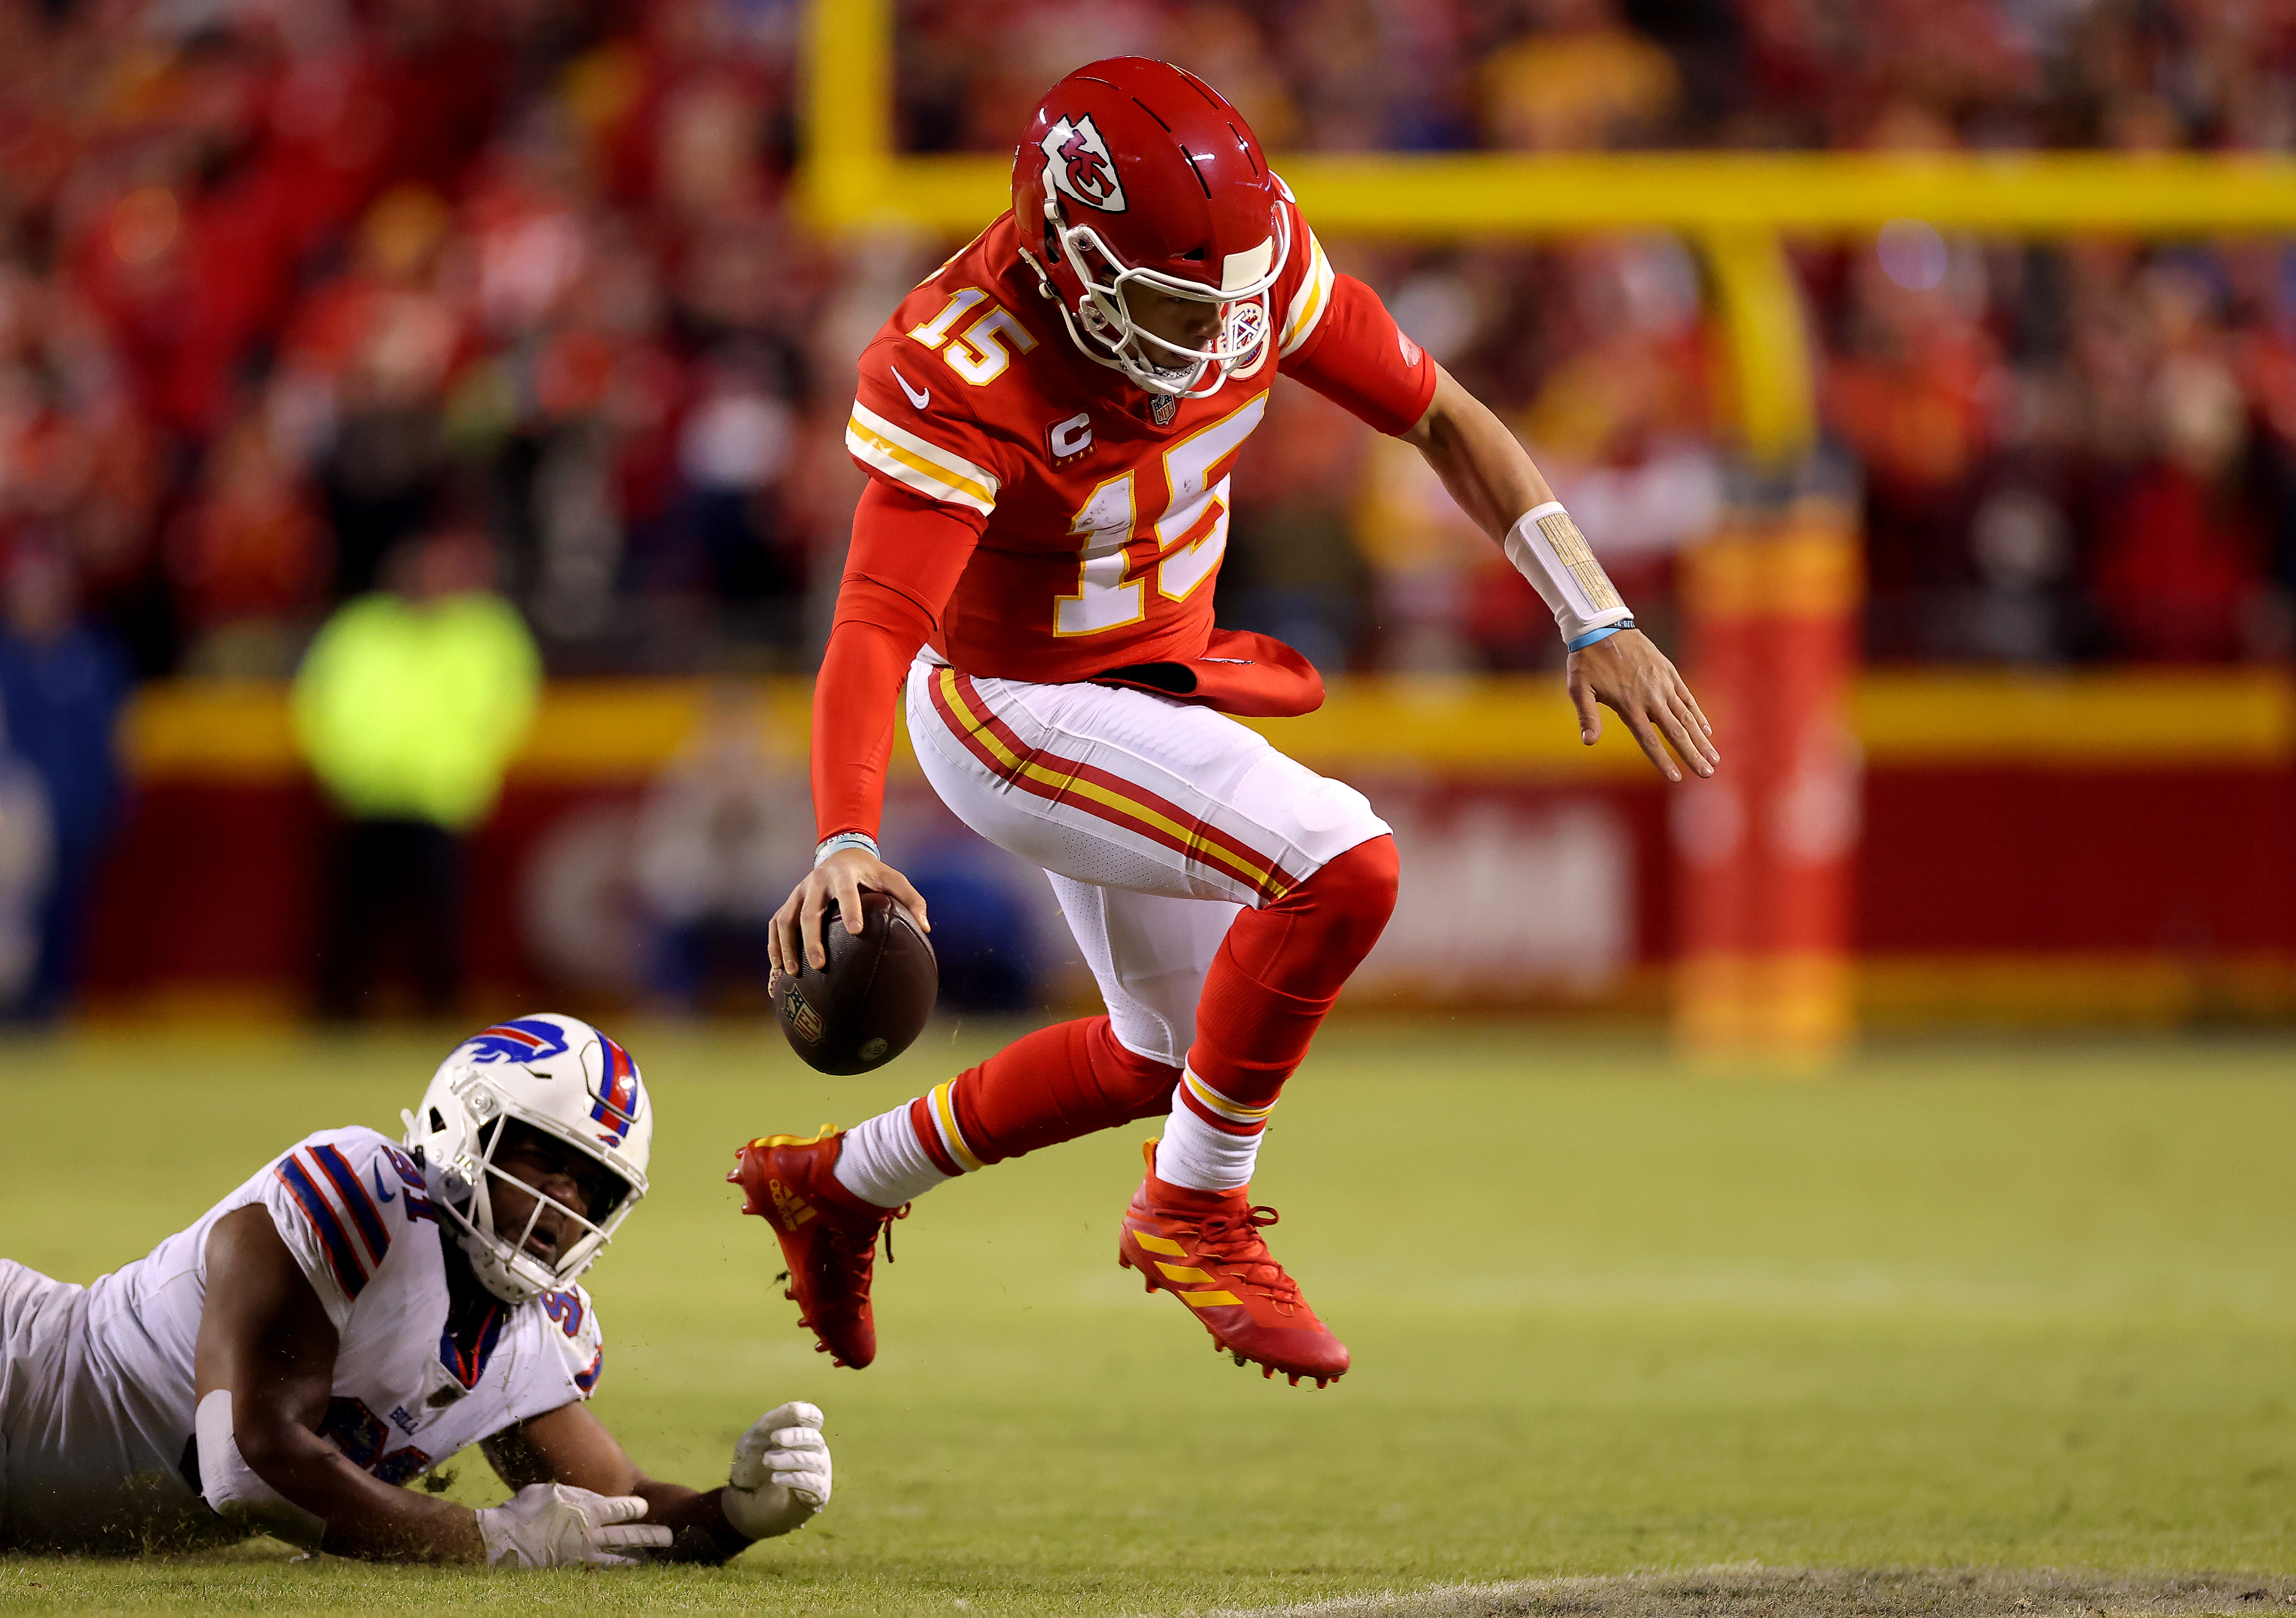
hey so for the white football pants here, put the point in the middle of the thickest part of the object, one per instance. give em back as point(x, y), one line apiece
point(1156, 821)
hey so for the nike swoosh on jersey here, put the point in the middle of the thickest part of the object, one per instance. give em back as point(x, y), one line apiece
point(918, 396)
point(380, 1195)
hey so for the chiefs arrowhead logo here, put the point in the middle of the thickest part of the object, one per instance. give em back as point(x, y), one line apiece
point(1077, 164)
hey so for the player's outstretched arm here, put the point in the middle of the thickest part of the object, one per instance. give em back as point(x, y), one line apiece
point(1493, 479)
point(266, 1346)
point(779, 1479)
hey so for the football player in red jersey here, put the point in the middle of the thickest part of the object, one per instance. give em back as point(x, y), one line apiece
point(1048, 422)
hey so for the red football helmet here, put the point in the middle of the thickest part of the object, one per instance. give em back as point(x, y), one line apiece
point(1137, 171)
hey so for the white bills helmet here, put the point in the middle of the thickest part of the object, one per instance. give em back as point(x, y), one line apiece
point(561, 1078)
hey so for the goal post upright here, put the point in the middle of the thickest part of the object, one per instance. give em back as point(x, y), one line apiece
point(1765, 854)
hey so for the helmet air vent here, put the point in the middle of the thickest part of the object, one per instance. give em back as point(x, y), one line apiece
point(1244, 146)
point(1191, 157)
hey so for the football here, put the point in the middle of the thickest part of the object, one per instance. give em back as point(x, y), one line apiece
point(871, 1002)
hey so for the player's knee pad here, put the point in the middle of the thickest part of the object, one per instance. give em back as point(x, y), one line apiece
point(1362, 882)
point(1320, 929)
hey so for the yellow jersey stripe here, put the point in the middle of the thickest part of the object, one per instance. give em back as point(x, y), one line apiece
point(1199, 848)
point(1307, 303)
point(919, 463)
point(909, 467)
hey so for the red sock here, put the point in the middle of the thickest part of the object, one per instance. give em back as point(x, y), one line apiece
point(1280, 968)
point(1055, 1084)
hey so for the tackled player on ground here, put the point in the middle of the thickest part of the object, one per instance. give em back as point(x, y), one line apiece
point(1048, 423)
point(355, 1313)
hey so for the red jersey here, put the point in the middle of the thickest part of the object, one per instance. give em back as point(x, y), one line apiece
point(1100, 510)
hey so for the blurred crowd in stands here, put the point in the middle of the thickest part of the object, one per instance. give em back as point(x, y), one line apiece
point(288, 285)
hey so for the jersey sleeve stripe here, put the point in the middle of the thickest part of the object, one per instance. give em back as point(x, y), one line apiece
point(1309, 302)
point(343, 1258)
point(354, 1199)
point(924, 467)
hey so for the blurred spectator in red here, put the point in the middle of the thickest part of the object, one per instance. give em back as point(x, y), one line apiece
point(359, 385)
point(247, 557)
point(61, 684)
point(1912, 391)
point(2179, 571)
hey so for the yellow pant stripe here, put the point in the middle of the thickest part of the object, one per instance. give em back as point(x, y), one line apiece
point(1201, 849)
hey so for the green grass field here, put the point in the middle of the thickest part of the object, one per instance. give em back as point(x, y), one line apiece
point(2001, 1306)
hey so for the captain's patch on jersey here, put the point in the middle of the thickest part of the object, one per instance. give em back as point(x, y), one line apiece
point(1077, 161)
point(1072, 437)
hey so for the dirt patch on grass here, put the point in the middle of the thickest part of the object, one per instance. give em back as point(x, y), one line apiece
point(1807, 1592)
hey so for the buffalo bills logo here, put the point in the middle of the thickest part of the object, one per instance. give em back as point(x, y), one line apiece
point(526, 1039)
point(617, 1107)
point(1077, 164)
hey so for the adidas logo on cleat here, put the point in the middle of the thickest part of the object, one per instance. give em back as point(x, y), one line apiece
point(792, 1209)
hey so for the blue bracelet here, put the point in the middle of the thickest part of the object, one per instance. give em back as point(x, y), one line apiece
point(1593, 635)
point(844, 839)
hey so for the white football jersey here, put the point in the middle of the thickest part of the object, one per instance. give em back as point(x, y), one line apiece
point(97, 1402)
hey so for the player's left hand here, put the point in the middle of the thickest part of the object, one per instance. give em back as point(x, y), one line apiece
point(1633, 678)
point(780, 1476)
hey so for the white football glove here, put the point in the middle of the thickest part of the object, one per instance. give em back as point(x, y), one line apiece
point(780, 1475)
point(553, 1525)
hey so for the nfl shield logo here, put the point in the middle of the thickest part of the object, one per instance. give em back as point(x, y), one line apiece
point(1162, 408)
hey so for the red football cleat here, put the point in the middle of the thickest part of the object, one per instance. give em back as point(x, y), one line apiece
point(1204, 1247)
point(828, 1236)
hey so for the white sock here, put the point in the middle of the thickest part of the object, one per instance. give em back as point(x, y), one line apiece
point(1197, 1156)
point(885, 1163)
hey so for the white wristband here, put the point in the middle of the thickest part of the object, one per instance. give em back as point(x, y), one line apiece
point(1546, 548)
point(844, 839)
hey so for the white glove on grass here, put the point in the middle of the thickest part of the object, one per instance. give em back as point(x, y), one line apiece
point(780, 1475)
point(553, 1525)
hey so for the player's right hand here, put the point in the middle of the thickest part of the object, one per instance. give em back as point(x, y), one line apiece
point(780, 1476)
point(1635, 680)
point(554, 1525)
point(795, 936)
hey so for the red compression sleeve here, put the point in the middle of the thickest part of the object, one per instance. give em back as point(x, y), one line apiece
point(1071, 1079)
point(1281, 967)
point(1358, 358)
point(906, 557)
